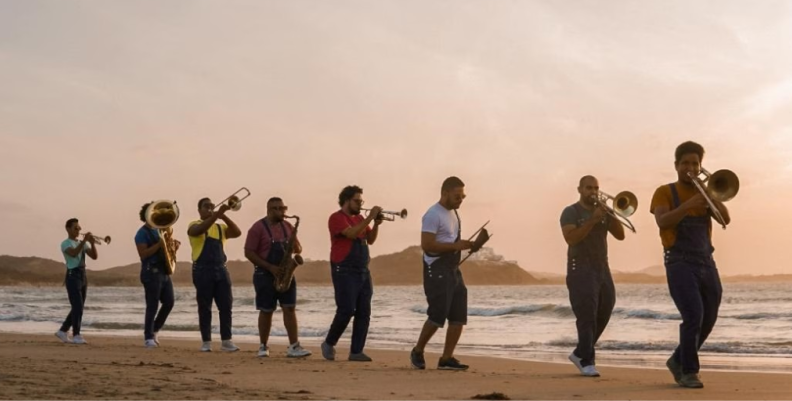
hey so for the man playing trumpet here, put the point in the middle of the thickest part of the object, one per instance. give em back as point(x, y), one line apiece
point(265, 247)
point(350, 237)
point(585, 226)
point(685, 223)
point(74, 252)
point(210, 275)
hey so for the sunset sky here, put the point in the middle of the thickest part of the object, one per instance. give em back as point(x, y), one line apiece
point(106, 105)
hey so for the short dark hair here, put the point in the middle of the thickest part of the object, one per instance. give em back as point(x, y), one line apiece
point(71, 222)
point(143, 211)
point(348, 193)
point(200, 202)
point(687, 148)
point(274, 199)
point(584, 178)
point(451, 183)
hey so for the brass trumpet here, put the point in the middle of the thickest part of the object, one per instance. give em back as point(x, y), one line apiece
point(98, 240)
point(389, 215)
point(625, 204)
point(722, 186)
point(234, 201)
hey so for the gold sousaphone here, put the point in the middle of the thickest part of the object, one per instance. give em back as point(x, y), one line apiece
point(162, 215)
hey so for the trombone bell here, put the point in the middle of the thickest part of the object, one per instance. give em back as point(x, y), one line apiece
point(722, 185)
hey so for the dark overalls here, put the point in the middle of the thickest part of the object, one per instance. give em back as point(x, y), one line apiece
point(212, 283)
point(444, 287)
point(591, 291)
point(264, 282)
point(76, 282)
point(694, 284)
point(353, 293)
point(158, 288)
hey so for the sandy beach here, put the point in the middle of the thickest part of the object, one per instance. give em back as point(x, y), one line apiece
point(40, 367)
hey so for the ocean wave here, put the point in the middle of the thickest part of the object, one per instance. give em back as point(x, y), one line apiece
point(731, 347)
point(646, 314)
point(544, 309)
point(760, 315)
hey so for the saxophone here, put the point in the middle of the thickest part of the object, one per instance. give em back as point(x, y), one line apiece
point(289, 263)
point(162, 215)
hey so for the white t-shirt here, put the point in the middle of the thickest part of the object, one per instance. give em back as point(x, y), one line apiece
point(443, 223)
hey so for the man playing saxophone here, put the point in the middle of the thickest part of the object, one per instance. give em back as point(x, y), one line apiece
point(265, 247)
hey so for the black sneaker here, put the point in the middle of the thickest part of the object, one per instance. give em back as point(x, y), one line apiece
point(675, 368)
point(417, 359)
point(690, 380)
point(450, 364)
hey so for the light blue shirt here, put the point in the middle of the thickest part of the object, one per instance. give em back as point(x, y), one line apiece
point(79, 260)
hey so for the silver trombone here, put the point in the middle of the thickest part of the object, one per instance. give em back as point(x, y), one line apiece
point(389, 215)
point(721, 185)
point(234, 201)
point(625, 204)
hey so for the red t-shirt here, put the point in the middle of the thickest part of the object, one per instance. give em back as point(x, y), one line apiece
point(260, 242)
point(340, 246)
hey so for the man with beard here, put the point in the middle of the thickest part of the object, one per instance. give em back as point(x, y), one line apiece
point(446, 293)
point(350, 237)
point(585, 225)
point(265, 247)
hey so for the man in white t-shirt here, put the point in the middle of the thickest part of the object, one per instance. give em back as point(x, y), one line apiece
point(444, 286)
point(74, 252)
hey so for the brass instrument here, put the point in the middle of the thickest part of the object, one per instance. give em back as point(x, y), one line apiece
point(289, 263)
point(722, 186)
point(98, 240)
point(234, 201)
point(389, 215)
point(482, 236)
point(162, 215)
point(625, 204)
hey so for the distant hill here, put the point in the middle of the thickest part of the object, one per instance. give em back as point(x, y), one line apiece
point(400, 268)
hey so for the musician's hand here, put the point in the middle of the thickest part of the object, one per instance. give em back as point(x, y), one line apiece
point(275, 270)
point(223, 208)
point(298, 259)
point(697, 201)
point(378, 220)
point(375, 212)
point(599, 213)
point(463, 244)
point(89, 238)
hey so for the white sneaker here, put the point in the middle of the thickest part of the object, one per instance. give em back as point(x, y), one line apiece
point(589, 371)
point(156, 338)
point(263, 351)
point(297, 351)
point(78, 339)
point(575, 360)
point(206, 346)
point(228, 346)
point(63, 336)
point(150, 344)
